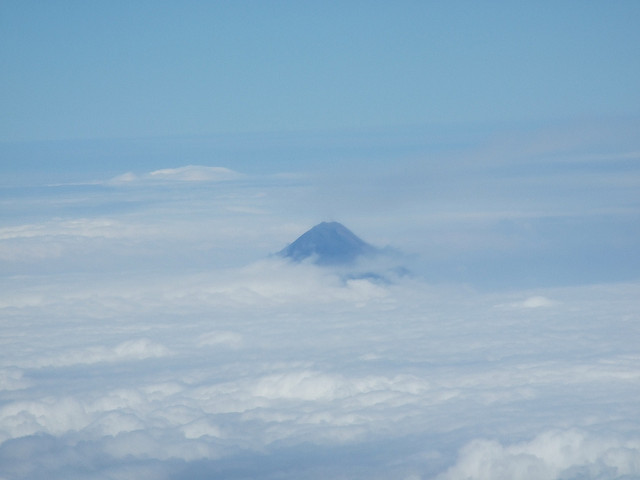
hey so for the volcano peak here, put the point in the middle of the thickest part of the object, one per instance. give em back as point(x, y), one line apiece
point(328, 243)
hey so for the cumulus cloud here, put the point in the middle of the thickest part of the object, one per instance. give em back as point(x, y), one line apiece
point(12, 378)
point(209, 368)
point(549, 456)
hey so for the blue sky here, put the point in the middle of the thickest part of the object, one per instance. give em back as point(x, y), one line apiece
point(77, 70)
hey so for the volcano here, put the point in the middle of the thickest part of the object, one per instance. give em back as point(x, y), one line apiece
point(328, 243)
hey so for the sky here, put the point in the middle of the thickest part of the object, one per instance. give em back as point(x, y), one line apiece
point(77, 70)
point(154, 156)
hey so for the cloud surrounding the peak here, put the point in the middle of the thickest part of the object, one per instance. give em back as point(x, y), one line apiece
point(149, 331)
point(202, 372)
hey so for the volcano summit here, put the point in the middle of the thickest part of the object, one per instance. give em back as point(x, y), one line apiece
point(328, 243)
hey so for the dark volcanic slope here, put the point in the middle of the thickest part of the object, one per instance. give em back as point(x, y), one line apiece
point(328, 243)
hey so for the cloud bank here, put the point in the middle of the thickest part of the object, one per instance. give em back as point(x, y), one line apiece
point(149, 332)
point(196, 374)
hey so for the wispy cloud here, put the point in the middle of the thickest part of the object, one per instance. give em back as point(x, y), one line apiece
point(188, 173)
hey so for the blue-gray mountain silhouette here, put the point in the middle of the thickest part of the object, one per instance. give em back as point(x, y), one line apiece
point(328, 243)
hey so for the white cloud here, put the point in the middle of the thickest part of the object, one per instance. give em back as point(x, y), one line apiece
point(82, 227)
point(12, 378)
point(549, 456)
point(537, 302)
point(128, 350)
point(204, 366)
point(146, 332)
point(315, 386)
point(195, 173)
point(53, 415)
point(534, 301)
point(62, 238)
point(220, 338)
point(124, 178)
point(188, 173)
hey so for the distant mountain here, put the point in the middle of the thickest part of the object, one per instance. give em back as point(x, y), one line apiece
point(328, 243)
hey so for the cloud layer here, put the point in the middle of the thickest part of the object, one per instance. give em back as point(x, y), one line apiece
point(148, 332)
point(200, 372)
